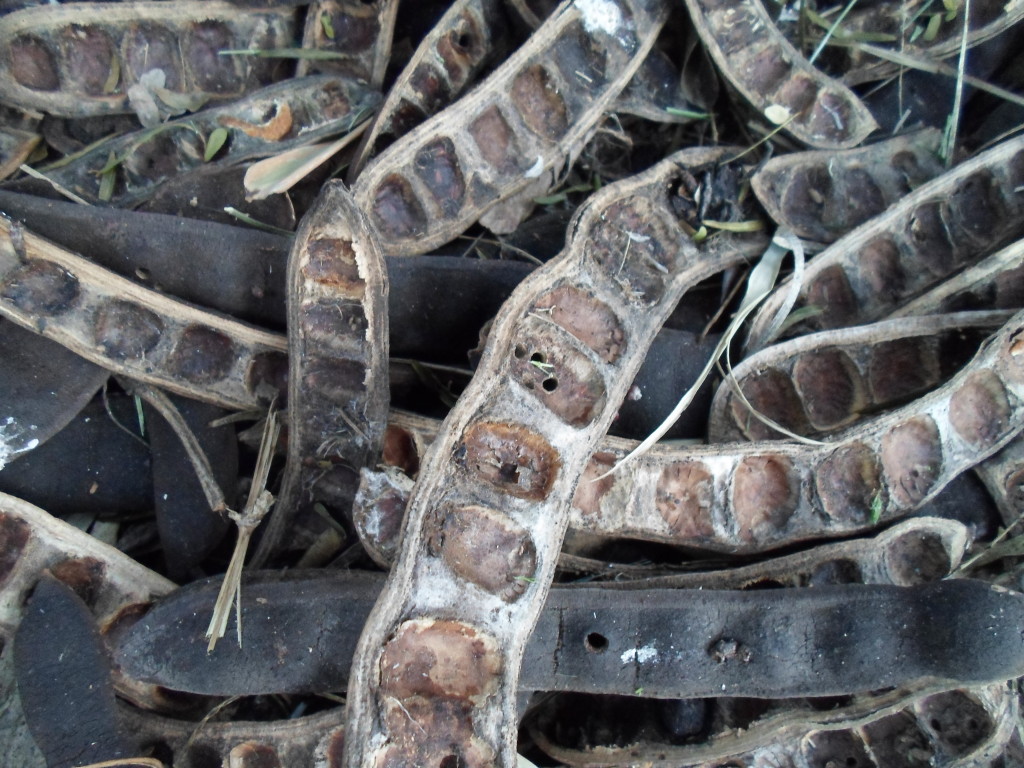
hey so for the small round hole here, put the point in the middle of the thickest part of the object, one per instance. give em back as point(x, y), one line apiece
point(595, 642)
point(550, 384)
point(463, 41)
point(519, 351)
point(537, 357)
point(450, 761)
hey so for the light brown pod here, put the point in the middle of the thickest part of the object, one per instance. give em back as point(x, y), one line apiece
point(918, 242)
point(520, 123)
point(822, 195)
point(82, 61)
point(753, 55)
point(357, 33)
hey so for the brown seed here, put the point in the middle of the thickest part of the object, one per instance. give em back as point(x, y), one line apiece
point(399, 450)
point(84, 575)
point(830, 291)
point(979, 410)
point(976, 214)
point(489, 549)
point(405, 117)
point(835, 748)
point(830, 119)
point(201, 46)
point(804, 200)
point(89, 54)
point(685, 499)
point(431, 89)
point(629, 244)
point(126, 330)
point(334, 380)
point(957, 722)
point(335, 326)
point(797, 95)
point(736, 32)
point(202, 355)
point(897, 741)
point(830, 386)
point(396, 211)
point(900, 369)
point(432, 732)
point(510, 458)
point(771, 393)
point(831, 572)
point(40, 288)
point(561, 377)
point(437, 165)
point(267, 377)
point(251, 754)
point(539, 104)
point(849, 484)
point(32, 63)
point(766, 69)
point(150, 46)
point(763, 498)
point(881, 267)
point(434, 657)
point(14, 535)
point(933, 245)
point(587, 318)
point(590, 491)
point(912, 460)
point(917, 558)
point(331, 261)
point(579, 61)
point(495, 140)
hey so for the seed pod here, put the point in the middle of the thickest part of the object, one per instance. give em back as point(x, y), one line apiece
point(338, 347)
point(445, 63)
point(140, 333)
point(835, 378)
point(270, 120)
point(934, 231)
point(16, 145)
point(1003, 475)
point(82, 60)
point(822, 195)
point(915, 727)
point(510, 453)
point(521, 122)
point(753, 55)
point(358, 33)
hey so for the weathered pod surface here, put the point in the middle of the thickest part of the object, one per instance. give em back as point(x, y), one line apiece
point(940, 228)
point(82, 59)
point(338, 349)
point(126, 328)
point(444, 64)
point(960, 728)
point(821, 195)
point(1003, 475)
point(822, 382)
point(486, 519)
point(755, 57)
point(751, 497)
point(273, 119)
point(521, 122)
point(356, 33)
point(16, 144)
point(586, 638)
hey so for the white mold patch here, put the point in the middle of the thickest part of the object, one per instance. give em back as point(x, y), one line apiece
point(646, 655)
point(603, 15)
point(11, 440)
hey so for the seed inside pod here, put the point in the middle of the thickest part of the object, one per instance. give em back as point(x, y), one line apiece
point(917, 558)
point(495, 140)
point(437, 165)
point(396, 211)
point(849, 484)
point(979, 410)
point(14, 535)
point(90, 56)
point(763, 497)
point(510, 458)
point(911, 459)
point(126, 330)
point(830, 572)
point(405, 117)
point(489, 549)
point(202, 355)
point(267, 376)
point(40, 288)
point(334, 380)
point(150, 46)
point(685, 497)
point(578, 60)
point(771, 393)
point(590, 491)
point(766, 70)
point(539, 104)
point(933, 245)
point(797, 94)
point(431, 89)
point(976, 213)
point(957, 722)
point(461, 49)
point(431, 732)
point(32, 63)
point(897, 741)
point(331, 261)
point(629, 244)
point(830, 119)
point(335, 325)
point(828, 748)
point(880, 265)
point(211, 72)
point(736, 30)
point(84, 575)
point(251, 754)
point(434, 657)
point(901, 368)
point(831, 292)
point(561, 377)
point(587, 318)
point(830, 386)
point(399, 450)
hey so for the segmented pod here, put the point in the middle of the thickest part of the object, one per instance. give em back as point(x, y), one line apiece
point(559, 359)
point(82, 59)
point(356, 32)
point(271, 120)
point(822, 195)
point(338, 348)
point(958, 728)
point(1003, 475)
point(445, 63)
point(917, 243)
point(520, 123)
point(819, 383)
point(753, 55)
point(128, 329)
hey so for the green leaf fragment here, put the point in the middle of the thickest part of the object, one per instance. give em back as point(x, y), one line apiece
point(283, 53)
point(214, 142)
point(932, 30)
point(690, 113)
point(325, 22)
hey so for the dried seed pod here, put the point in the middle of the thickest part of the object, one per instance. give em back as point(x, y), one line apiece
point(358, 33)
point(1003, 476)
point(835, 378)
point(937, 229)
point(445, 63)
point(521, 122)
point(338, 347)
point(512, 453)
point(752, 54)
point(822, 195)
point(16, 145)
point(273, 119)
point(923, 726)
point(83, 60)
point(140, 333)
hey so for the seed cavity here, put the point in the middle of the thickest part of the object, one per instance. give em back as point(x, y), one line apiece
point(331, 261)
point(771, 393)
point(437, 165)
point(839, 748)
point(880, 266)
point(957, 722)
point(763, 496)
point(917, 558)
point(539, 104)
point(587, 318)
point(831, 292)
point(202, 355)
point(684, 498)
point(911, 460)
point(509, 458)
point(14, 535)
point(830, 386)
point(495, 140)
point(32, 63)
point(41, 288)
point(900, 369)
point(396, 211)
point(126, 330)
point(89, 54)
point(203, 41)
point(561, 377)
point(849, 484)
point(979, 410)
